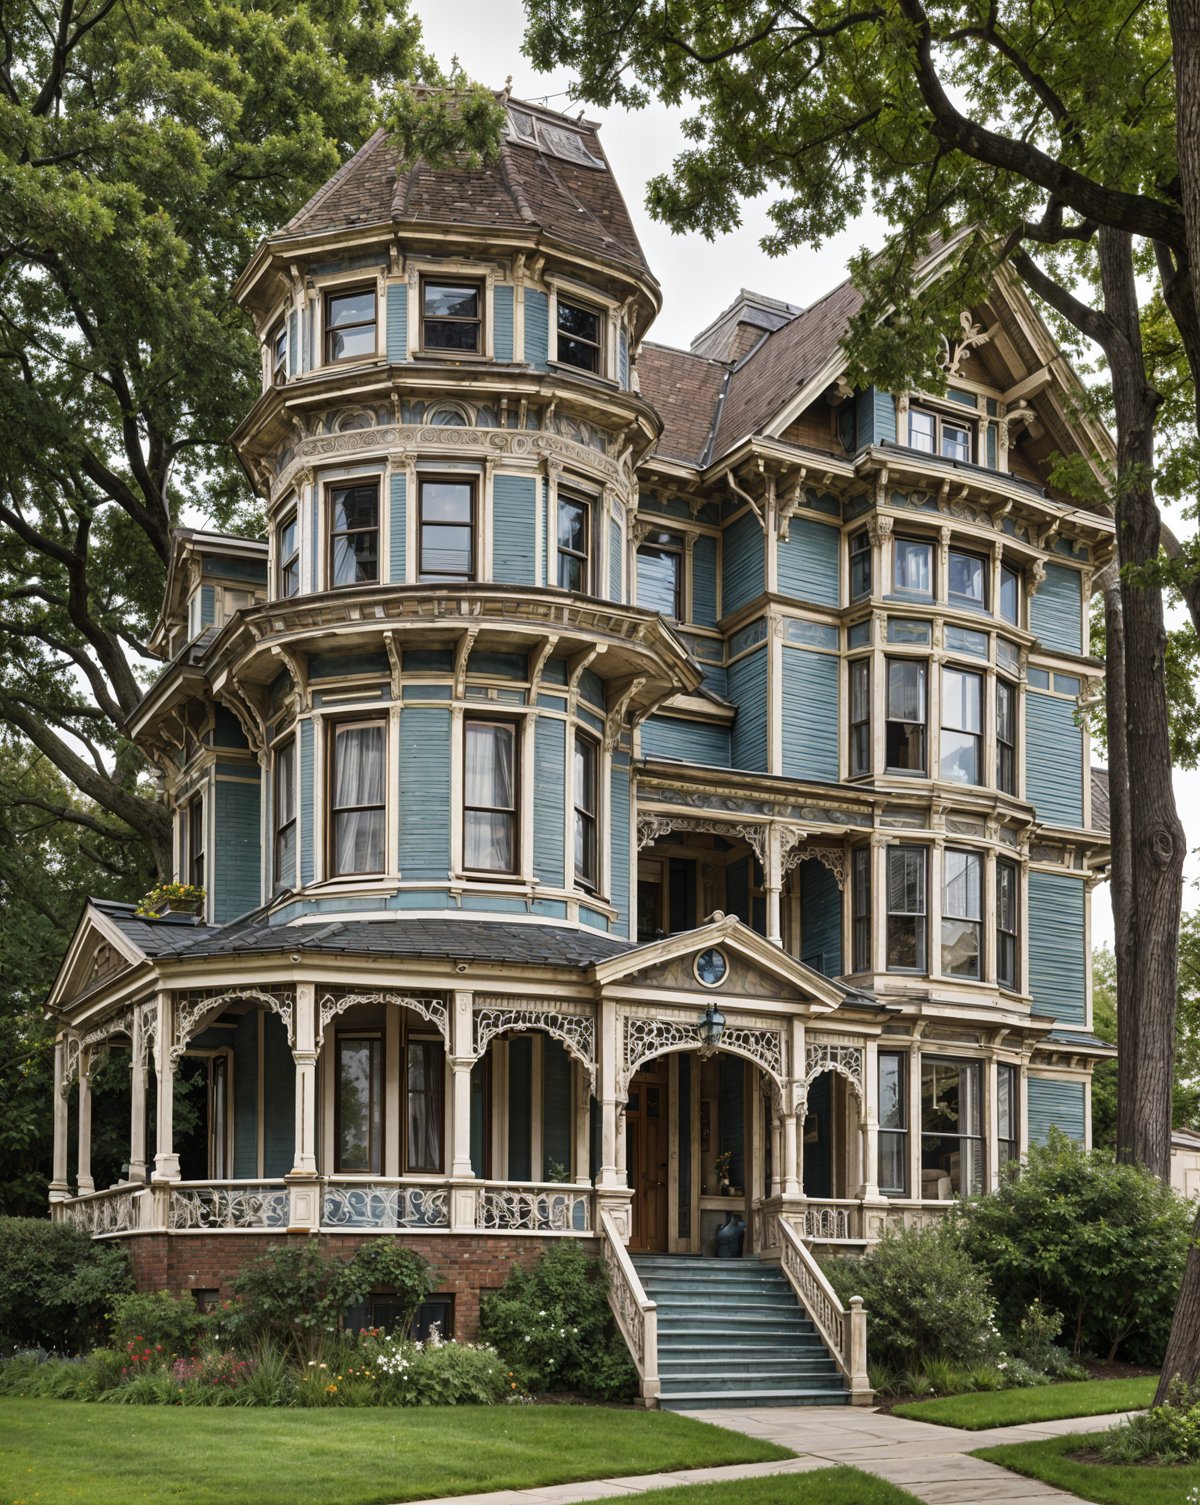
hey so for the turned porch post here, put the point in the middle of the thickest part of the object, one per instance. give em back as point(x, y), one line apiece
point(83, 1172)
point(869, 1122)
point(137, 1104)
point(59, 1188)
point(304, 1053)
point(166, 1161)
point(583, 1125)
point(462, 1059)
point(773, 884)
point(612, 1160)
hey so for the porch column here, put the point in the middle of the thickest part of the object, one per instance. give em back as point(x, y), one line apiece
point(59, 1188)
point(304, 1053)
point(137, 1109)
point(773, 885)
point(166, 1161)
point(462, 1059)
point(83, 1174)
point(914, 1120)
point(869, 1123)
point(776, 1148)
point(792, 1184)
point(612, 1162)
point(583, 1126)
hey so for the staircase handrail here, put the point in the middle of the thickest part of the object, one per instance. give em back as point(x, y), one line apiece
point(636, 1314)
point(844, 1329)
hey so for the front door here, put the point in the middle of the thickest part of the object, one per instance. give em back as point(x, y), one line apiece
point(646, 1153)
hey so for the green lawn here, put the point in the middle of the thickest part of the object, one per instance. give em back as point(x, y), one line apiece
point(1009, 1408)
point(1106, 1483)
point(823, 1486)
point(59, 1452)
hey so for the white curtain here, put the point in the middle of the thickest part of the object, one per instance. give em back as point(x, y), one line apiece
point(490, 803)
point(358, 781)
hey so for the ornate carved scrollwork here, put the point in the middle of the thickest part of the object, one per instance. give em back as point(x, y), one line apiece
point(146, 1041)
point(229, 1207)
point(576, 1032)
point(533, 1209)
point(432, 1010)
point(196, 1009)
point(118, 1024)
point(371, 1205)
point(847, 1060)
point(645, 1038)
point(834, 858)
point(651, 827)
point(70, 1063)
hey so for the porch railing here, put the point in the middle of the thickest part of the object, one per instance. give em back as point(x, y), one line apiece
point(227, 1205)
point(833, 1220)
point(541, 1208)
point(844, 1329)
point(114, 1210)
point(636, 1314)
point(384, 1204)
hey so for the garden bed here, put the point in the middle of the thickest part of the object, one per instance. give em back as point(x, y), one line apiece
point(1071, 1463)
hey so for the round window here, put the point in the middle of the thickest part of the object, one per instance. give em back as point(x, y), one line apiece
point(711, 968)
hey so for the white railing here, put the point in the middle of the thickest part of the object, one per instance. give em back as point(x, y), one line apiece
point(832, 1220)
point(114, 1210)
point(226, 1205)
point(844, 1329)
point(636, 1314)
point(547, 1207)
point(385, 1204)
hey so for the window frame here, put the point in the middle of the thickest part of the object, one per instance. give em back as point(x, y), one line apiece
point(284, 565)
point(514, 729)
point(277, 360)
point(334, 729)
point(285, 748)
point(332, 534)
point(974, 860)
point(1006, 749)
point(918, 917)
point(978, 1137)
point(1017, 575)
point(1008, 872)
point(976, 736)
point(570, 498)
point(960, 602)
point(861, 556)
point(908, 540)
point(436, 1092)
point(376, 1133)
point(589, 881)
point(196, 839)
point(329, 330)
point(471, 528)
point(859, 687)
point(1006, 1071)
point(600, 344)
point(898, 1132)
point(663, 541)
point(861, 916)
point(922, 667)
point(477, 286)
point(940, 422)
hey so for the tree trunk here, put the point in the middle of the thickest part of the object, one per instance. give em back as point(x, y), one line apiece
point(1152, 899)
point(1184, 17)
point(1182, 1359)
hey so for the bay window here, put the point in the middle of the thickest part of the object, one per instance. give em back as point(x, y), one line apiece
point(951, 1133)
point(574, 529)
point(284, 790)
point(962, 914)
point(490, 797)
point(446, 529)
point(860, 716)
point(357, 803)
point(586, 796)
point(358, 1104)
point(907, 909)
point(354, 534)
point(893, 1123)
point(350, 324)
point(906, 715)
point(962, 726)
point(1007, 912)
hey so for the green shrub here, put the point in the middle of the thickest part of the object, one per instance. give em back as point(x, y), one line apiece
point(1164, 1434)
point(38, 1375)
point(173, 1323)
point(1100, 1243)
point(925, 1298)
point(56, 1283)
point(553, 1327)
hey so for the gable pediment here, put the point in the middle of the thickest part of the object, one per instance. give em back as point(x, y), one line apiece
point(744, 979)
point(98, 951)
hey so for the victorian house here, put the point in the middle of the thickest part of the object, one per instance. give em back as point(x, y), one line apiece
point(631, 786)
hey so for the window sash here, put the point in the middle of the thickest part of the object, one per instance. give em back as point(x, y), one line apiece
point(574, 533)
point(490, 796)
point(1010, 594)
point(195, 841)
point(346, 338)
point(288, 546)
point(357, 797)
point(860, 566)
point(1006, 736)
point(958, 440)
point(444, 330)
point(586, 784)
point(279, 353)
point(1007, 1115)
point(962, 913)
point(285, 814)
point(358, 1133)
point(893, 1123)
point(451, 535)
point(962, 726)
point(907, 914)
point(951, 1120)
point(1007, 923)
point(582, 351)
point(922, 431)
point(424, 1106)
point(861, 915)
point(967, 584)
point(860, 716)
point(913, 567)
point(660, 575)
point(906, 714)
point(353, 534)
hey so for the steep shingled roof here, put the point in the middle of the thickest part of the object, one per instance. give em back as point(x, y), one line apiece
point(684, 390)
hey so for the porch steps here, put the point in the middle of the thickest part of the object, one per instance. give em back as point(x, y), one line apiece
point(731, 1333)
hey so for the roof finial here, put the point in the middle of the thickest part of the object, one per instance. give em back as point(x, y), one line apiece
point(507, 90)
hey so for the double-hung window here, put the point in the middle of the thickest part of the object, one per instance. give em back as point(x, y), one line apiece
point(279, 353)
point(934, 435)
point(357, 803)
point(586, 796)
point(951, 1133)
point(447, 529)
point(287, 549)
point(913, 567)
point(907, 909)
point(452, 317)
point(354, 534)
point(1007, 913)
point(962, 914)
point(285, 814)
point(490, 797)
point(1008, 1115)
point(860, 716)
point(967, 583)
point(660, 574)
point(860, 886)
point(1006, 736)
point(962, 726)
point(893, 1123)
point(906, 714)
point(350, 325)
point(860, 565)
point(1010, 594)
point(574, 532)
point(425, 1105)
point(358, 1105)
point(580, 336)
point(957, 440)
point(195, 841)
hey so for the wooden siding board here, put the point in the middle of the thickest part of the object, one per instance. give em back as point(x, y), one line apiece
point(237, 869)
point(1058, 1105)
point(1053, 759)
point(704, 581)
point(689, 741)
point(398, 540)
point(424, 792)
point(502, 323)
point(537, 328)
point(619, 798)
point(809, 566)
point(397, 321)
point(1056, 947)
point(820, 918)
point(550, 769)
point(513, 529)
point(744, 562)
point(810, 714)
point(747, 679)
point(1056, 614)
point(307, 802)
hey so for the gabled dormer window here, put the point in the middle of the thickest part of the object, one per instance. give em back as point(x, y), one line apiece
point(350, 324)
point(934, 434)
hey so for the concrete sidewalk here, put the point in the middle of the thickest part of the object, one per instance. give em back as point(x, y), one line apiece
point(932, 1463)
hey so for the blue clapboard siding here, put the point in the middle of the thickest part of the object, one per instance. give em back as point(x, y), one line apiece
point(1055, 1105)
point(820, 918)
point(502, 323)
point(279, 1099)
point(1056, 950)
point(1053, 759)
point(808, 562)
point(245, 1097)
point(398, 540)
point(876, 414)
point(550, 781)
point(704, 581)
point(690, 741)
point(397, 321)
point(520, 1104)
point(424, 792)
point(307, 801)
point(810, 714)
point(623, 361)
point(1056, 615)
point(619, 843)
point(513, 524)
point(237, 864)
point(556, 1109)
point(616, 562)
point(748, 690)
point(537, 327)
point(743, 561)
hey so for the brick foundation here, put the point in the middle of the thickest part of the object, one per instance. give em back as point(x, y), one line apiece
point(464, 1264)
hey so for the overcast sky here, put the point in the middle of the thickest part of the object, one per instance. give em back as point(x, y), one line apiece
point(698, 278)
